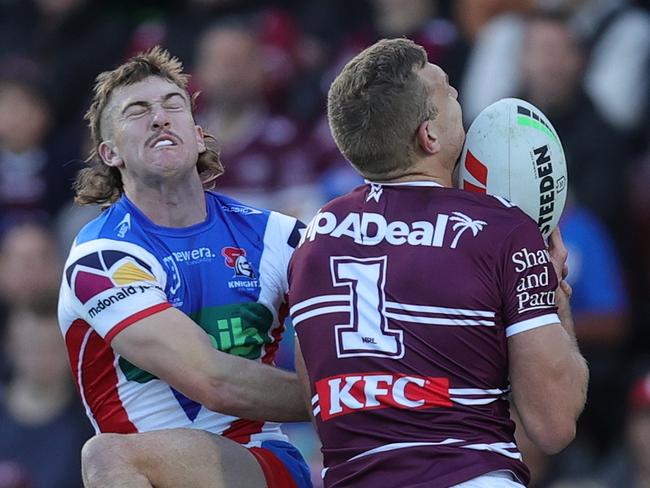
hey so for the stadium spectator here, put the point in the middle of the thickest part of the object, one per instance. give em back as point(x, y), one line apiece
point(616, 36)
point(172, 301)
point(266, 159)
point(413, 331)
point(69, 40)
point(552, 67)
point(42, 423)
point(37, 164)
point(600, 307)
point(30, 265)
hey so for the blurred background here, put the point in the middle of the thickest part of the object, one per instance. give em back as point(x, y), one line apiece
point(263, 69)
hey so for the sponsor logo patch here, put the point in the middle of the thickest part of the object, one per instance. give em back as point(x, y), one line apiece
point(370, 229)
point(100, 271)
point(544, 169)
point(240, 209)
point(532, 287)
point(193, 256)
point(345, 394)
point(124, 226)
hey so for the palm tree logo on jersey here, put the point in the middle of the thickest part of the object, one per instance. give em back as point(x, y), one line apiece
point(463, 223)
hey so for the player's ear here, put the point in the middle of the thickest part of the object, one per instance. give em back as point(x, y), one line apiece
point(427, 138)
point(200, 140)
point(109, 154)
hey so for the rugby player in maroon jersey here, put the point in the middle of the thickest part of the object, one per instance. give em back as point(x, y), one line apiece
point(423, 312)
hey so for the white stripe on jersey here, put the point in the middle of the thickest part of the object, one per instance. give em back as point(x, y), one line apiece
point(476, 391)
point(318, 311)
point(499, 447)
point(469, 396)
point(402, 445)
point(473, 401)
point(439, 310)
point(524, 325)
point(407, 183)
point(506, 203)
point(319, 299)
point(503, 448)
point(436, 321)
point(456, 316)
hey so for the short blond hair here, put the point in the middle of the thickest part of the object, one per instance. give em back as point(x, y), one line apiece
point(102, 184)
point(376, 104)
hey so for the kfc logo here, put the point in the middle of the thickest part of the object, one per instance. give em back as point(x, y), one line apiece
point(344, 394)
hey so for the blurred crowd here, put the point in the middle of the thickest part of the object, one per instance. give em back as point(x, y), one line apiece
point(263, 69)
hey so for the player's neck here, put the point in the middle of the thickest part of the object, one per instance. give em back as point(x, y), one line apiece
point(441, 179)
point(170, 203)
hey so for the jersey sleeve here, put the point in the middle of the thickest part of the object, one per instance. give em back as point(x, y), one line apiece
point(280, 239)
point(112, 284)
point(528, 281)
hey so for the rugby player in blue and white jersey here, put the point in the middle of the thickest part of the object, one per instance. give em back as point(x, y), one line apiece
point(173, 300)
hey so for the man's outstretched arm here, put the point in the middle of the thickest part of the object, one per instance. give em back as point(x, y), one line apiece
point(172, 347)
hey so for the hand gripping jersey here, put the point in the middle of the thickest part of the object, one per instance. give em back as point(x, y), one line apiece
point(228, 274)
point(403, 297)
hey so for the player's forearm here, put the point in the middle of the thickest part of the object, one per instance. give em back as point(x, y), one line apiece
point(248, 389)
point(575, 371)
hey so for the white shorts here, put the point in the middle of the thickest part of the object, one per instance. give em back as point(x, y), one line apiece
point(496, 479)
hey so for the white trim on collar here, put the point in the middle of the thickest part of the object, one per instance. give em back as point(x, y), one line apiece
point(406, 183)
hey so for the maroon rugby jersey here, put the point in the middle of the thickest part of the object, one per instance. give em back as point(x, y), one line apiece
point(403, 297)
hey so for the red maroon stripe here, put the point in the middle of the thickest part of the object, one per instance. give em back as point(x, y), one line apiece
point(477, 169)
point(134, 318)
point(275, 472)
point(99, 381)
point(270, 350)
point(473, 188)
point(242, 429)
point(73, 339)
point(98, 378)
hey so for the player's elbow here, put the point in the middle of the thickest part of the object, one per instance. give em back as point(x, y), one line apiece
point(218, 395)
point(551, 435)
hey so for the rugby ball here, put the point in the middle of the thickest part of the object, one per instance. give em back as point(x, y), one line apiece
point(512, 151)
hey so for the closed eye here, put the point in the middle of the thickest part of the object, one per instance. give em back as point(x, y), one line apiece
point(136, 111)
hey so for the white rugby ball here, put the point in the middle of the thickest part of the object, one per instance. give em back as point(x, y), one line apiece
point(512, 151)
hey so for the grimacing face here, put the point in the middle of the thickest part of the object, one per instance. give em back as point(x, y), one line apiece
point(149, 132)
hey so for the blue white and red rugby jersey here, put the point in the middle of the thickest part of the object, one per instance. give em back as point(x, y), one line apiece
point(228, 274)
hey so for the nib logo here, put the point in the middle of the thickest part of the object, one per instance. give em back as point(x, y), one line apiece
point(478, 171)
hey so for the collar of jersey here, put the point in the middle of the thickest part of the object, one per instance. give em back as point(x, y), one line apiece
point(147, 224)
point(406, 183)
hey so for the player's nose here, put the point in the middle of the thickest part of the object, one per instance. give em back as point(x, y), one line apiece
point(160, 119)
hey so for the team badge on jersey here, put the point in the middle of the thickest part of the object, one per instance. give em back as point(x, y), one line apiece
point(235, 258)
point(100, 271)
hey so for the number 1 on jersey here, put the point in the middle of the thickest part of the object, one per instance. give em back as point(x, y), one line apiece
point(367, 333)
